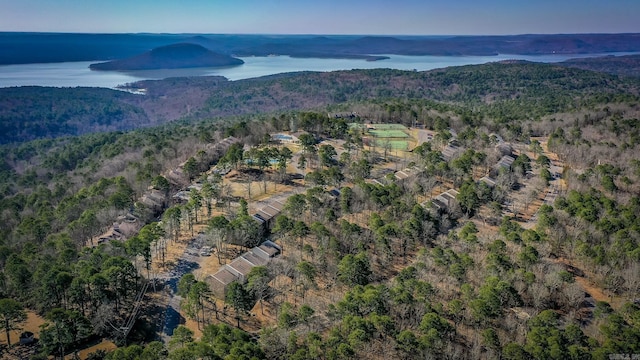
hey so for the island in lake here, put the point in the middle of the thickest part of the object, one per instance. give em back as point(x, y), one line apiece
point(175, 56)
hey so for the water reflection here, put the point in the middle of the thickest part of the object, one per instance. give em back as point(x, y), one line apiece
point(73, 74)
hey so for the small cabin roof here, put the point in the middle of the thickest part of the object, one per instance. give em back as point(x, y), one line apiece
point(224, 276)
point(272, 251)
point(258, 218)
point(241, 266)
point(506, 161)
point(489, 181)
point(254, 259)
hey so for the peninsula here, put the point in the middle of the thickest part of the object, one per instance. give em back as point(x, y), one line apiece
point(175, 56)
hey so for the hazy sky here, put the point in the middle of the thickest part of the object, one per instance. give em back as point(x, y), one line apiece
point(422, 17)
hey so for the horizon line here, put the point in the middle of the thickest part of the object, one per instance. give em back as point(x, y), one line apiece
point(304, 34)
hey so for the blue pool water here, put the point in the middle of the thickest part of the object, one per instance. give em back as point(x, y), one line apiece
point(282, 137)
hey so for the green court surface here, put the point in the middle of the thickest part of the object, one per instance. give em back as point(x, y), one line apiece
point(393, 144)
point(389, 127)
point(388, 133)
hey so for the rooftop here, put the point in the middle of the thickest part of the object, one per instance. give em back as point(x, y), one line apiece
point(224, 276)
point(489, 181)
point(449, 152)
point(270, 250)
point(254, 259)
point(241, 265)
point(506, 161)
point(444, 200)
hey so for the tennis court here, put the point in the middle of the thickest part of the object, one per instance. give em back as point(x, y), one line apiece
point(393, 144)
point(388, 133)
point(389, 127)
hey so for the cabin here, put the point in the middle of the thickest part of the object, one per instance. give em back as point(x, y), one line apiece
point(335, 192)
point(267, 250)
point(113, 233)
point(254, 259)
point(504, 149)
point(406, 173)
point(185, 194)
point(154, 200)
point(259, 219)
point(219, 282)
point(238, 270)
point(444, 200)
point(176, 177)
point(487, 180)
point(222, 146)
point(241, 268)
point(375, 181)
point(267, 214)
point(506, 162)
point(450, 151)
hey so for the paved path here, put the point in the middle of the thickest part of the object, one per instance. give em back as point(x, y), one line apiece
point(549, 199)
point(172, 318)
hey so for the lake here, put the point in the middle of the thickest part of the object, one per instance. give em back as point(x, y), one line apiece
point(72, 74)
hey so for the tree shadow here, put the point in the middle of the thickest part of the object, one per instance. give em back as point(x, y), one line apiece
point(172, 320)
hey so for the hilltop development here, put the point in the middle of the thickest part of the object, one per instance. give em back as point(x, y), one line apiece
point(472, 212)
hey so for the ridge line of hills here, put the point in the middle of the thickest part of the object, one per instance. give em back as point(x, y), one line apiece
point(175, 56)
point(23, 48)
point(29, 113)
point(535, 257)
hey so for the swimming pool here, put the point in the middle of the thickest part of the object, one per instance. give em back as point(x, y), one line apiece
point(282, 137)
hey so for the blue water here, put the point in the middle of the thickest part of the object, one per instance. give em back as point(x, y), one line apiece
point(282, 137)
point(72, 74)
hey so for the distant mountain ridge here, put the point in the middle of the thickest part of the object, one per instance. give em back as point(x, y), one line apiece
point(176, 56)
point(29, 113)
point(628, 65)
point(24, 48)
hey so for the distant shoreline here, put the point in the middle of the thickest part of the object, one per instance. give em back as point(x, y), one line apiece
point(38, 48)
point(341, 56)
point(78, 74)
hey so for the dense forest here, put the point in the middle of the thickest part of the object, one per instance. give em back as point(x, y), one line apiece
point(370, 273)
point(499, 92)
point(628, 65)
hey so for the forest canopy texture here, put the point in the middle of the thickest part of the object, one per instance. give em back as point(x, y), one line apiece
point(532, 257)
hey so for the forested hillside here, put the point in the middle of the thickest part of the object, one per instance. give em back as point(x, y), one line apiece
point(539, 261)
point(30, 113)
point(628, 65)
point(499, 91)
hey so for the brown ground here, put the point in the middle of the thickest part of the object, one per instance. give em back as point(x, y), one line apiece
point(318, 298)
point(105, 345)
point(524, 215)
point(596, 292)
point(32, 324)
point(359, 218)
point(265, 315)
